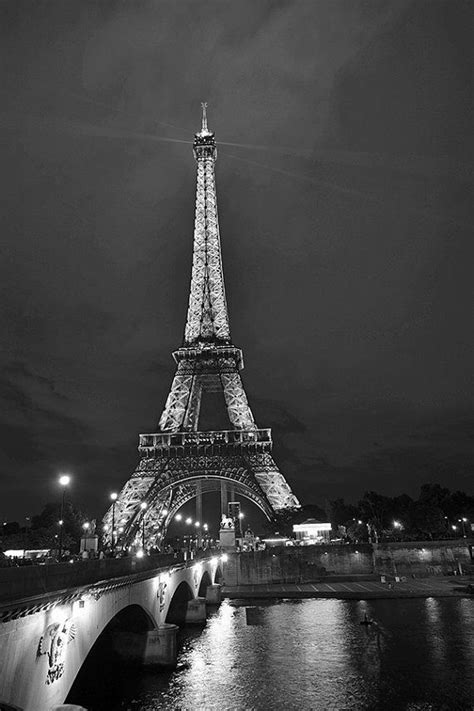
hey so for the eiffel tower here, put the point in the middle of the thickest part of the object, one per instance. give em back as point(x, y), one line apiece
point(180, 462)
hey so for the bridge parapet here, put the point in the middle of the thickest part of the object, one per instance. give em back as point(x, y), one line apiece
point(32, 580)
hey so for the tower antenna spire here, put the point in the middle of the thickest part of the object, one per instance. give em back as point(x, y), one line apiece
point(204, 128)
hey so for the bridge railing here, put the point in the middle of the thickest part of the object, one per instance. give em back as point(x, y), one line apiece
point(33, 580)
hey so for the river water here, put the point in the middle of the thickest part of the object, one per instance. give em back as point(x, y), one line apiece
point(310, 654)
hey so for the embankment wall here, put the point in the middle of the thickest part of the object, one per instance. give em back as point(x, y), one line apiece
point(312, 563)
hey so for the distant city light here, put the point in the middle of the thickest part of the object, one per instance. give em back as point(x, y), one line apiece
point(241, 515)
point(178, 517)
point(197, 524)
point(397, 524)
point(189, 520)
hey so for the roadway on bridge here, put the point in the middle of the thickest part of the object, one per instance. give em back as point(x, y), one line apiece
point(367, 589)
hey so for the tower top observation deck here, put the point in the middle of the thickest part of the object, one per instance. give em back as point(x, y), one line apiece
point(204, 141)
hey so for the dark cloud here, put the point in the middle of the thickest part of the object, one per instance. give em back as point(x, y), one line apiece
point(344, 186)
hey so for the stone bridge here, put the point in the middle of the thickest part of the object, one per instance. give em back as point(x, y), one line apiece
point(52, 616)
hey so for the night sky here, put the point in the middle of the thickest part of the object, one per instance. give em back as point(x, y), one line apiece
point(345, 202)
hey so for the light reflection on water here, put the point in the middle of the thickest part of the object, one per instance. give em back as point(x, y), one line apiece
point(315, 654)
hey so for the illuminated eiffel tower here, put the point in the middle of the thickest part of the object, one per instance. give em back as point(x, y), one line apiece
point(180, 462)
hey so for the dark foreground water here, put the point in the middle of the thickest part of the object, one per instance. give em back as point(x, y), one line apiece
point(309, 654)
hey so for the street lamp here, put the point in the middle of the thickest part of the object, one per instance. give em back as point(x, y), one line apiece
point(462, 521)
point(64, 480)
point(143, 508)
point(113, 497)
point(178, 517)
point(189, 520)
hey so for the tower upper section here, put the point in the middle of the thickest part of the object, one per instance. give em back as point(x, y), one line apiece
point(207, 320)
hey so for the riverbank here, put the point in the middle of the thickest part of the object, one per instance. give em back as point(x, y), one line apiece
point(356, 589)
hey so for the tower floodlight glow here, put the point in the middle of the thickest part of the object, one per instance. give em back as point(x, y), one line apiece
point(207, 361)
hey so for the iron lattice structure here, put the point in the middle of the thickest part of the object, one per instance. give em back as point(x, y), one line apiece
point(180, 462)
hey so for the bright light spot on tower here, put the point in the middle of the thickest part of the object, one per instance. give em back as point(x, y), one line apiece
point(165, 512)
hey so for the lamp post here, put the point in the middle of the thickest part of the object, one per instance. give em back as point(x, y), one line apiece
point(143, 508)
point(64, 480)
point(113, 497)
point(462, 521)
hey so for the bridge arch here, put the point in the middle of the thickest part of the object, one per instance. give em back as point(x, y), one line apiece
point(179, 603)
point(218, 577)
point(205, 582)
point(121, 641)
